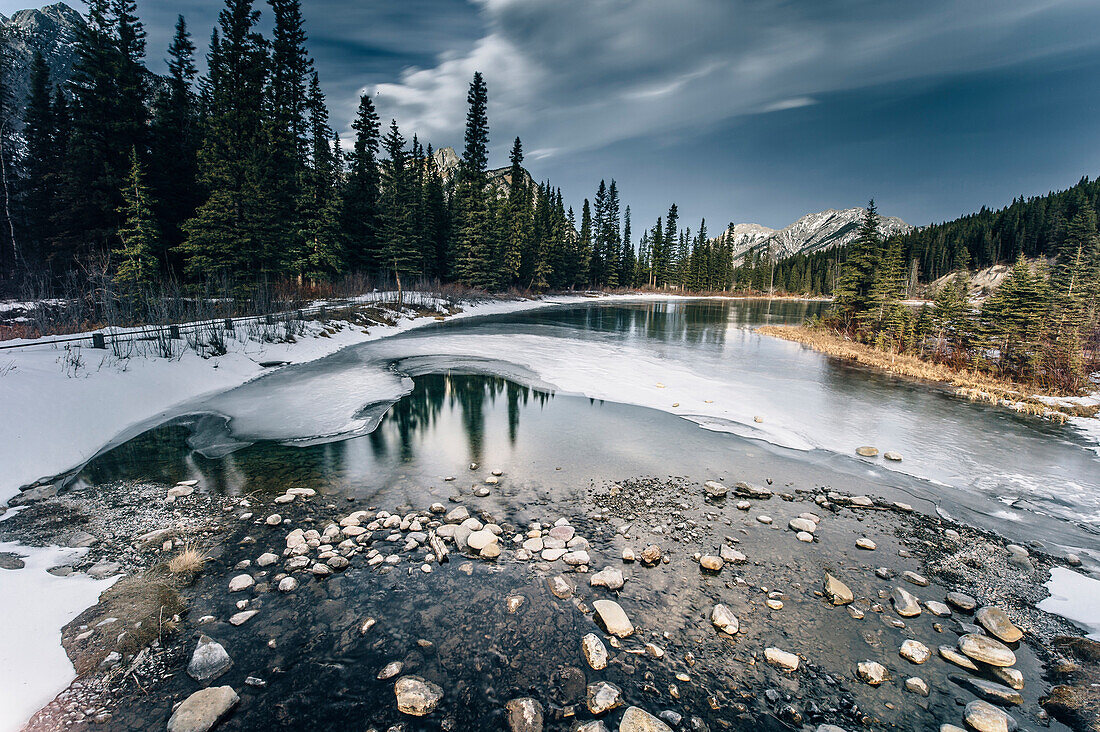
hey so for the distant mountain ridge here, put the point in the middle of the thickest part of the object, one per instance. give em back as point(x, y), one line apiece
point(51, 30)
point(813, 232)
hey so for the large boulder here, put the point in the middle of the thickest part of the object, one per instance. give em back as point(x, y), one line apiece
point(203, 709)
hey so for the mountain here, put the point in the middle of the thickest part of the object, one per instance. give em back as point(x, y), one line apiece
point(811, 233)
point(51, 30)
point(500, 179)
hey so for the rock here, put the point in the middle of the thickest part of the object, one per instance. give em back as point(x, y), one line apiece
point(731, 555)
point(905, 604)
point(104, 569)
point(577, 558)
point(603, 697)
point(892, 456)
point(651, 555)
point(867, 451)
point(989, 690)
point(209, 661)
point(491, 552)
point(984, 717)
point(596, 725)
point(745, 490)
point(837, 592)
point(937, 608)
point(553, 555)
point(266, 559)
point(243, 617)
point(864, 543)
point(638, 720)
point(241, 582)
point(829, 728)
point(917, 685)
point(871, 672)
point(458, 515)
point(743, 505)
point(564, 532)
point(180, 491)
point(273, 520)
point(725, 620)
point(416, 696)
point(962, 601)
point(861, 502)
point(12, 561)
point(595, 652)
point(524, 715)
point(997, 624)
point(780, 658)
point(478, 540)
point(714, 489)
point(628, 555)
point(613, 618)
point(82, 539)
point(390, 670)
point(805, 536)
point(288, 584)
point(560, 587)
point(986, 650)
point(1008, 676)
point(607, 577)
point(711, 562)
point(914, 651)
point(203, 709)
point(801, 524)
point(915, 578)
point(320, 570)
point(764, 519)
point(533, 545)
point(952, 655)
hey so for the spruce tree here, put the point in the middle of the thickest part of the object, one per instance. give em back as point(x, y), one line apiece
point(361, 194)
point(40, 162)
point(400, 252)
point(1012, 320)
point(473, 247)
point(854, 297)
point(319, 246)
point(139, 236)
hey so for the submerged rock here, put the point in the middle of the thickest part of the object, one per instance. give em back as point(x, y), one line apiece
point(209, 661)
point(723, 619)
point(416, 696)
point(613, 618)
point(524, 715)
point(639, 720)
point(951, 655)
point(608, 577)
point(595, 652)
point(203, 709)
point(837, 592)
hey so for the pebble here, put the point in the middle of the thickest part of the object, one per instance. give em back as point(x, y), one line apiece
point(266, 559)
point(989, 690)
point(864, 543)
point(203, 709)
point(866, 451)
point(781, 658)
point(241, 582)
point(209, 661)
point(984, 717)
point(892, 456)
point(914, 651)
point(952, 655)
point(711, 562)
point(524, 715)
point(915, 579)
point(802, 525)
point(917, 685)
point(725, 620)
point(613, 618)
point(416, 696)
point(628, 555)
point(871, 672)
point(243, 617)
point(608, 577)
point(577, 558)
point(764, 519)
point(595, 652)
point(603, 697)
point(651, 555)
point(273, 520)
point(938, 609)
point(560, 587)
point(288, 584)
point(962, 601)
point(805, 536)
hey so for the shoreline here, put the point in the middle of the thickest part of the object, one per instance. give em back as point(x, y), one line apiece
point(974, 386)
point(669, 602)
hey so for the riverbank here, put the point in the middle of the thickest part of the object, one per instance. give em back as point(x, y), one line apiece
point(699, 604)
point(973, 385)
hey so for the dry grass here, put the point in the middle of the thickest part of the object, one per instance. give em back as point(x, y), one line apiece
point(973, 385)
point(187, 563)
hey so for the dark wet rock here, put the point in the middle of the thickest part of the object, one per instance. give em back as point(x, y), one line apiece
point(984, 717)
point(603, 697)
point(104, 569)
point(416, 696)
point(997, 624)
point(11, 560)
point(986, 650)
point(209, 661)
point(639, 720)
point(203, 710)
point(988, 690)
point(82, 539)
point(390, 670)
point(524, 715)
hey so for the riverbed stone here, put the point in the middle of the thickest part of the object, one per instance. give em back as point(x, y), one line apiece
point(916, 579)
point(524, 715)
point(986, 650)
point(866, 544)
point(576, 559)
point(952, 655)
point(731, 555)
point(984, 717)
point(866, 451)
point(553, 555)
point(724, 619)
point(914, 651)
point(603, 697)
point(905, 604)
point(390, 670)
point(458, 515)
point(714, 489)
point(613, 618)
point(416, 696)
point(288, 584)
point(871, 672)
point(892, 456)
point(837, 592)
point(990, 691)
point(639, 720)
point(651, 555)
point(104, 569)
point(209, 661)
point(802, 524)
point(560, 587)
point(1010, 677)
point(608, 577)
point(962, 601)
point(241, 582)
point(781, 658)
point(595, 652)
point(203, 710)
point(478, 540)
point(996, 623)
point(939, 609)
point(916, 685)
point(711, 563)
point(243, 617)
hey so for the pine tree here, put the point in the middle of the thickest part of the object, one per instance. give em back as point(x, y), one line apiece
point(859, 272)
point(175, 136)
point(400, 253)
point(627, 260)
point(139, 237)
point(1012, 320)
point(230, 232)
point(473, 247)
point(319, 249)
point(516, 229)
point(361, 192)
point(40, 162)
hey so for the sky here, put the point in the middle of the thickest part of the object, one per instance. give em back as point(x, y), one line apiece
point(737, 110)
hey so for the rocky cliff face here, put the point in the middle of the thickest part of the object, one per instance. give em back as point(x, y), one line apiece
point(52, 31)
point(500, 179)
point(811, 233)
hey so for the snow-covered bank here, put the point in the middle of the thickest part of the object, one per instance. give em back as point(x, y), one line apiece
point(1076, 598)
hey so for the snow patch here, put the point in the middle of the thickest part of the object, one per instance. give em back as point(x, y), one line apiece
point(1074, 597)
